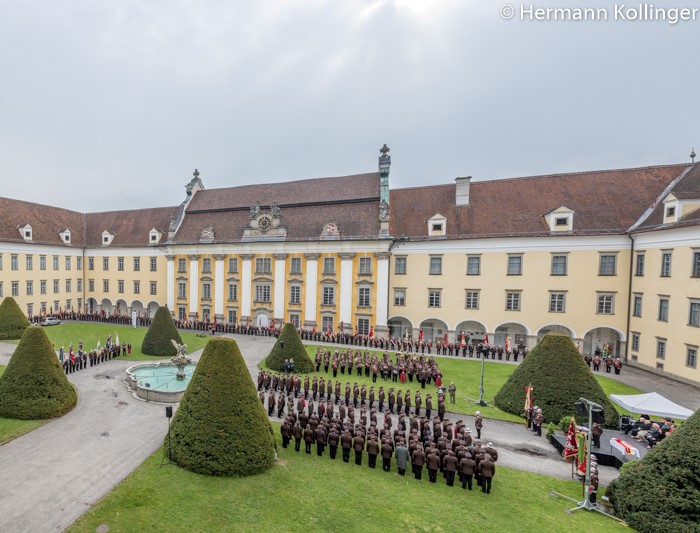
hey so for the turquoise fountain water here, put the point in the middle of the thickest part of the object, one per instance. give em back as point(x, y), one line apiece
point(162, 377)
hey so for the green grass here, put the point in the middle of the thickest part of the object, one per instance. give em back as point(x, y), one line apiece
point(308, 493)
point(466, 374)
point(11, 428)
point(90, 332)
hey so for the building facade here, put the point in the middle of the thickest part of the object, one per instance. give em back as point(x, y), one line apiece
point(610, 258)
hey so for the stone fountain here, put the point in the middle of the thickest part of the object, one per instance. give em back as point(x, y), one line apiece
point(180, 360)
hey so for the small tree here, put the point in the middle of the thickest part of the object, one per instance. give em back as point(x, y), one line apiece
point(162, 330)
point(220, 427)
point(12, 320)
point(34, 386)
point(559, 376)
point(293, 349)
point(663, 489)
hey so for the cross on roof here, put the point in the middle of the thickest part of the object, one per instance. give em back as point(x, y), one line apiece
point(384, 150)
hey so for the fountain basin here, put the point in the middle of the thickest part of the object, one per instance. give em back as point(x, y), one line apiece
point(157, 382)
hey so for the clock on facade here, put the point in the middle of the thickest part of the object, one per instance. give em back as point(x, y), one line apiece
point(264, 223)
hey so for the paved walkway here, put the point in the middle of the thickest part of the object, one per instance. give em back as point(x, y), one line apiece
point(53, 474)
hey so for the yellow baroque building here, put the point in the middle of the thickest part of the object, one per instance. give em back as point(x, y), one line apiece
point(611, 258)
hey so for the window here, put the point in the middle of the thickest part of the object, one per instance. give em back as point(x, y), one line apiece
point(68, 285)
point(557, 302)
point(181, 289)
point(68, 305)
point(0, 261)
point(512, 301)
point(30, 262)
point(400, 297)
point(694, 315)
point(639, 265)
point(232, 266)
point(55, 305)
point(68, 267)
point(137, 264)
point(154, 288)
point(434, 297)
point(91, 263)
point(561, 221)
point(472, 300)
point(329, 265)
point(559, 265)
point(670, 211)
point(206, 314)
point(660, 348)
point(15, 288)
point(120, 264)
point(435, 265)
point(263, 265)
point(105, 263)
point(79, 283)
point(327, 323)
point(1, 290)
point(55, 262)
point(608, 264)
point(691, 357)
point(42, 262)
point(473, 265)
point(294, 294)
point(30, 309)
point(515, 265)
point(56, 288)
point(79, 266)
point(14, 262)
point(182, 264)
point(154, 264)
point(605, 304)
point(42, 286)
point(400, 266)
point(637, 306)
point(295, 265)
point(91, 285)
point(694, 270)
point(365, 266)
point(363, 326)
point(635, 342)
point(232, 292)
point(663, 309)
point(262, 292)
point(43, 307)
point(181, 313)
point(363, 297)
point(437, 227)
point(294, 319)
point(137, 287)
point(120, 286)
point(30, 288)
point(105, 285)
point(206, 290)
point(328, 295)
point(232, 316)
point(206, 265)
point(665, 264)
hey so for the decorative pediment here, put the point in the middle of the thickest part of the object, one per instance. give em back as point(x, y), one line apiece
point(107, 238)
point(265, 224)
point(66, 236)
point(26, 232)
point(672, 208)
point(330, 231)
point(560, 219)
point(437, 225)
point(154, 236)
point(207, 234)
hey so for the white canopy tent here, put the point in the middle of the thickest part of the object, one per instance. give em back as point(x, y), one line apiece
point(651, 403)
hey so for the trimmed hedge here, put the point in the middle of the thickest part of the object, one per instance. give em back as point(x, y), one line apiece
point(34, 386)
point(220, 427)
point(662, 491)
point(12, 320)
point(559, 377)
point(157, 340)
point(293, 349)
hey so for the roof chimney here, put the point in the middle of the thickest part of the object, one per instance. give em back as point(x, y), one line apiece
point(462, 190)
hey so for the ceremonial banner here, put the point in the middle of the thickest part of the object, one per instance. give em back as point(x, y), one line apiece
point(486, 338)
point(462, 343)
point(508, 341)
point(572, 449)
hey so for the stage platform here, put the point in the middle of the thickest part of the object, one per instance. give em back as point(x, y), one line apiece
point(606, 454)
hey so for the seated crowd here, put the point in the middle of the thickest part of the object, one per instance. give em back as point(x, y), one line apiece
point(647, 431)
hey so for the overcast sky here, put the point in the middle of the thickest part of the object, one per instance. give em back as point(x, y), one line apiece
point(112, 104)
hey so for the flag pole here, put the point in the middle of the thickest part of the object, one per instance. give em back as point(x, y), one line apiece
point(482, 403)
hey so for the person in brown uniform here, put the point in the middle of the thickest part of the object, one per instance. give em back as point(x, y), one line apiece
point(433, 460)
point(346, 445)
point(358, 443)
point(418, 460)
point(487, 469)
point(320, 435)
point(450, 462)
point(298, 432)
point(372, 451)
point(333, 440)
point(286, 431)
point(308, 438)
point(466, 470)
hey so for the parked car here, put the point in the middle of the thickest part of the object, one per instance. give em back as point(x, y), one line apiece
point(50, 321)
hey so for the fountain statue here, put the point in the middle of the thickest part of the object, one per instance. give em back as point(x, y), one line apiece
point(180, 360)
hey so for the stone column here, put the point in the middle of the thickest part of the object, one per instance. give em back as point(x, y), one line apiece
point(311, 300)
point(381, 329)
point(194, 285)
point(170, 283)
point(219, 287)
point(246, 280)
point(279, 286)
point(346, 290)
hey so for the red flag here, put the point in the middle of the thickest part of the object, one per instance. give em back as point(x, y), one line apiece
point(420, 335)
point(272, 324)
point(571, 449)
point(507, 343)
point(462, 343)
point(371, 332)
point(313, 328)
point(340, 327)
point(329, 330)
point(444, 338)
point(486, 338)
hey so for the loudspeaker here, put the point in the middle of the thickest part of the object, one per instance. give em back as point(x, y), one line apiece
point(598, 416)
point(581, 410)
point(169, 411)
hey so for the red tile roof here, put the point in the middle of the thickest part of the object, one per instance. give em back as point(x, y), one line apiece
point(130, 228)
point(46, 221)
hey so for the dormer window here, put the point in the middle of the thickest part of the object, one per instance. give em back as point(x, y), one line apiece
point(560, 219)
point(670, 211)
point(437, 226)
point(26, 232)
point(154, 236)
point(65, 236)
point(107, 238)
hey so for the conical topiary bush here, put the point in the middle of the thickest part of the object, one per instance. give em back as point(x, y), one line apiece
point(12, 320)
point(220, 427)
point(559, 376)
point(34, 386)
point(158, 338)
point(293, 349)
point(662, 491)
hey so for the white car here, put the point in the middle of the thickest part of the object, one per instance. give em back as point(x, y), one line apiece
point(50, 321)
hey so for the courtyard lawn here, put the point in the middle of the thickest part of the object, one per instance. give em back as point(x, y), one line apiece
point(308, 493)
point(11, 428)
point(466, 375)
point(91, 332)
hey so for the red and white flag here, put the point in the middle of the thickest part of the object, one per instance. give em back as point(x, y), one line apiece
point(462, 343)
point(420, 335)
point(486, 338)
